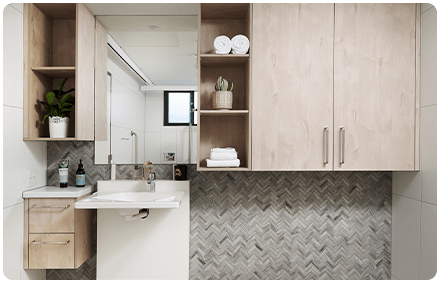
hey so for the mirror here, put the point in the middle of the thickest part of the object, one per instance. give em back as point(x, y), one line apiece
point(163, 48)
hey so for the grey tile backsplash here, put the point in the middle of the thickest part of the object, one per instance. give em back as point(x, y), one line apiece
point(266, 225)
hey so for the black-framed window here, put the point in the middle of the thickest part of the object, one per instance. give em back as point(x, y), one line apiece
point(177, 105)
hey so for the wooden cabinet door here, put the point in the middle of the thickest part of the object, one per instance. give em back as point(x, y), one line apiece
point(292, 86)
point(85, 56)
point(101, 111)
point(374, 86)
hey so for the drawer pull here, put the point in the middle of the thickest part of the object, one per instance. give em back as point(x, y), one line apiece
point(51, 206)
point(50, 243)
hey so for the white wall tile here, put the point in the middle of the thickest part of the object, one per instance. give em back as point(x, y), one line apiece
point(428, 259)
point(32, 159)
point(123, 74)
point(393, 278)
point(13, 176)
point(13, 241)
point(409, 184)
point(408, 213)
point(122, 150)
point(426, 6)
point(429, 58)
point(182, 146)
point(12, 57)
point(167, 144)
point(141, 147)
point(18, 6)
point(154, 114)
point(152, 147)
point(428, 153)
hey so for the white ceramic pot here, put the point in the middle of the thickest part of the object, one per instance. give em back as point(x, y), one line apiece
point(222, 100)
point(58, 127)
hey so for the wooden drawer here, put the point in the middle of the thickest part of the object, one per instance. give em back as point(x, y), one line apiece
point(54, 215)
point(51, 251)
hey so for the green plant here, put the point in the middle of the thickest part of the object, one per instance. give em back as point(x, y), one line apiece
point(224, 84)
point(59, 102)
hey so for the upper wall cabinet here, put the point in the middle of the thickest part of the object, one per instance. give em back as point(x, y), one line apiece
point(335, 87)
point(376, 92)
point(59, 42)
point(292, 86)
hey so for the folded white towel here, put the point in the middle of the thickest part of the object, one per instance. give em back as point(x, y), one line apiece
point(240, 44)
point(218, 155)
point(225, 149)
point(223, 163)
point(222, 45)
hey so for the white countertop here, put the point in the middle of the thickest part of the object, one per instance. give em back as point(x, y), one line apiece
point(57, 192)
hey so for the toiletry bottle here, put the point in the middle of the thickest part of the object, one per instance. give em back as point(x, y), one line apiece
point(63, 166)
point(80, 175)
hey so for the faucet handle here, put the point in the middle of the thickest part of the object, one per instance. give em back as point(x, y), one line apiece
point(148, 162)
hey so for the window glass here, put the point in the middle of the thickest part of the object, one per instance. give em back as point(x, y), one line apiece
point(178, 107)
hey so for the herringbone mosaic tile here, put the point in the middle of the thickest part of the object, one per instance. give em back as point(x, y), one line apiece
point(269, 225)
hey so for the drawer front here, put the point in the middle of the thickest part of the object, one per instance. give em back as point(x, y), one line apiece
point(51, 251)
point(54, 215)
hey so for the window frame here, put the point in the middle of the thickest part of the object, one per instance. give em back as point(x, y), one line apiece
point(166, 110)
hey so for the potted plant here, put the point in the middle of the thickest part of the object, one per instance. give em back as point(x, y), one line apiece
point(60, 105)
point(222, 97)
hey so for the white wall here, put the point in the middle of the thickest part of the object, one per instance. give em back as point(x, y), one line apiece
point(19, 158)
point(414, 204)
point(127, 113)
point(160, 139)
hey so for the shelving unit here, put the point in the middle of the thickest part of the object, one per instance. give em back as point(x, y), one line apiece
point(224, 128)
point(58, 43)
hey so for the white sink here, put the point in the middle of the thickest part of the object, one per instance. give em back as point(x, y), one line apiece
point(129, 197)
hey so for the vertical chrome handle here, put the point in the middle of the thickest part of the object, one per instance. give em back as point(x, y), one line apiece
point(326, 145)
point(342, 142)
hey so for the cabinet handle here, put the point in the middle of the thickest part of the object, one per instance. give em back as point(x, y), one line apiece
point(51, 206)
point(342, 139)
point(50, 243)
point(326, 145)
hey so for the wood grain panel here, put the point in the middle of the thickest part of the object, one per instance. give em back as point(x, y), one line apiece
point(26, 235)
point(374, 85)
point(64, 42)
point(100, 82)
point(417, 100)
point(58, 10)
point(292, 85)
point(55, 72)
point(85, 104)
point(51, 256)
point(51, 220)
point(83, 235)
point(224, 10)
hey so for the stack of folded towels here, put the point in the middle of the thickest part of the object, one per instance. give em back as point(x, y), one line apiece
point(223, 157)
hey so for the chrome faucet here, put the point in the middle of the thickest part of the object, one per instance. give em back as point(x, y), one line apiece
point(149, 176)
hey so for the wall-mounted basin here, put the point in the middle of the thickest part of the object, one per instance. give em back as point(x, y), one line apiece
point(124, 200)
point(130, 197)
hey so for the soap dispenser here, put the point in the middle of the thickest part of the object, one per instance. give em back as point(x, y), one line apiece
point(80, 175)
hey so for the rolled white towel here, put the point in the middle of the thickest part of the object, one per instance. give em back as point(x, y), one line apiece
point(223, 163)
point(222, 45)
point(218, 155)
point(240, 44)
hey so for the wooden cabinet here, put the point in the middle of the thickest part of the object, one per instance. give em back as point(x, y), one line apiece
point(56, 235)
point(224, 128)
point(376, 87)
point(59, 42)
point(361, 85)
point(292, 86)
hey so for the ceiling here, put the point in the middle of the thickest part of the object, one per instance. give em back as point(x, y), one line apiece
point(160, 38)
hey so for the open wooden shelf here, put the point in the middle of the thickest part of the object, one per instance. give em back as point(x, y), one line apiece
point(55, 72)
point(49, 139)
point(224, 128)
point(224, 60)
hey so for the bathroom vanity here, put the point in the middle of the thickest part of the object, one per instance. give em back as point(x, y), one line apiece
point(56, 235)
point(133, 243)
